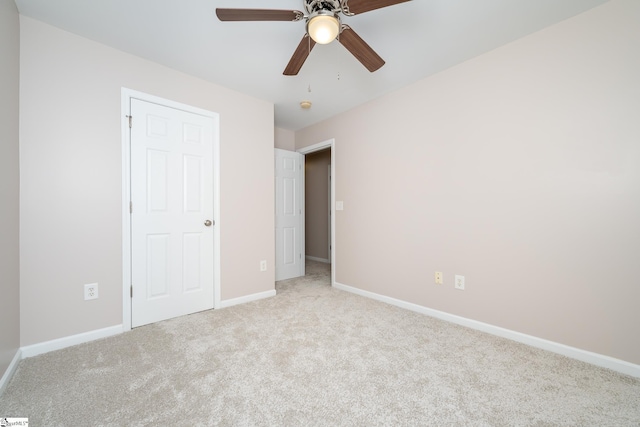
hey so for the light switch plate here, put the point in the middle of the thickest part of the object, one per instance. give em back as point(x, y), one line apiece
point(339, 205)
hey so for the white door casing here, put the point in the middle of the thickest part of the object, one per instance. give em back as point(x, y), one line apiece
point(172, 195)
point(289, 214)
point(329, 210)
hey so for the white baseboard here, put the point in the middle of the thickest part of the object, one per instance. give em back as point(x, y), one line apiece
point(247, 298)
point(312, 258)
point(565, 350)
point(11, 369)
point(57, 344)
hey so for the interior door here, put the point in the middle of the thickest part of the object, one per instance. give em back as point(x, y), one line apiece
point(289, 215)
point(172, 212)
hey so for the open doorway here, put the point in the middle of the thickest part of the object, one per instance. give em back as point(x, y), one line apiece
point(317, 167)
point(319, 214)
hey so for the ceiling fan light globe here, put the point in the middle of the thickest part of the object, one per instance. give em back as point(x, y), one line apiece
point(323, 29)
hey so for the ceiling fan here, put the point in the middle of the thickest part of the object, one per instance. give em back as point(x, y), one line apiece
point(322, 26)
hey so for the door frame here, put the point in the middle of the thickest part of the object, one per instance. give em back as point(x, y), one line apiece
point(126, 96)
point(330, 143)
point(329, 213)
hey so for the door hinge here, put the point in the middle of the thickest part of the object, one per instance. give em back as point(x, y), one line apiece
point(300, 256)
point(131, 289)
point(130, 207)
point(130, 121)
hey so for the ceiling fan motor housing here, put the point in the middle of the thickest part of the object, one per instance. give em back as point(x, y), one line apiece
point(312, 6)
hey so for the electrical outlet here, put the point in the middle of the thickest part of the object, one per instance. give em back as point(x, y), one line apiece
point(438, 277)
point(459, 283)
point(91, 291)
point(263, 265)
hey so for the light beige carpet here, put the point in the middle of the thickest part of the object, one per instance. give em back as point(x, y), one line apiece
point(315, 356)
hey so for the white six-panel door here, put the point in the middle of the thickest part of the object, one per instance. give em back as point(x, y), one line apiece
point(289, 215)
point(172, 202)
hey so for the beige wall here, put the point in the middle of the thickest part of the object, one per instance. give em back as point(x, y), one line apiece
point(9, 183)
point(316, 198)
point(71, 179)
point(519, 169)
point(285, 139)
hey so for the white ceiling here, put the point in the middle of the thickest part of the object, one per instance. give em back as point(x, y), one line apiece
point(416, 39)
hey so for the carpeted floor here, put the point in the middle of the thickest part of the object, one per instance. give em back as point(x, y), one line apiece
point(314, 356)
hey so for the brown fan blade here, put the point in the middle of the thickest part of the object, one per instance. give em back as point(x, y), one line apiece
point(360, 49)
point(299, 56)
point(258, 15)
point(362, 6)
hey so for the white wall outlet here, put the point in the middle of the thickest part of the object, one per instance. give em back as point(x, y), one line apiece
point(459, 283)
point(263, 265)
point(339, 205)
point(438, 277)
point(91, 291)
